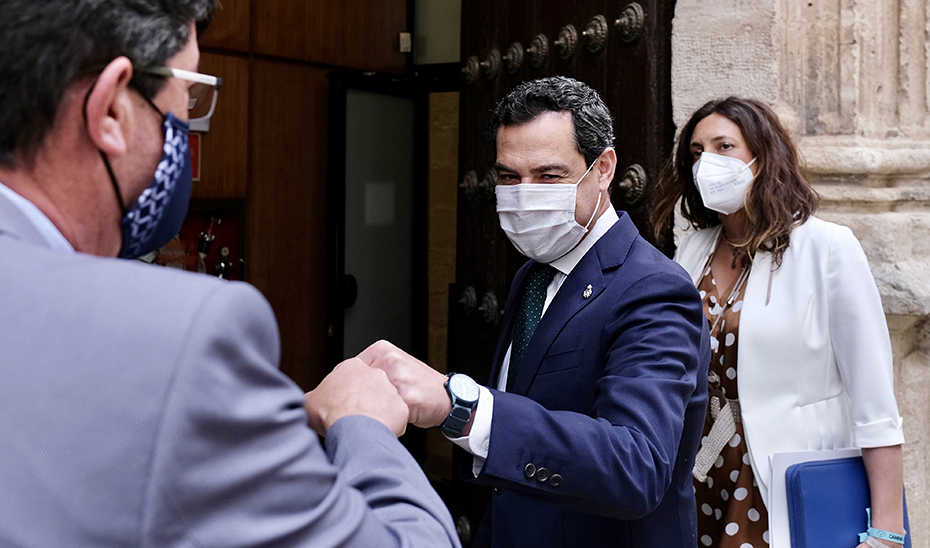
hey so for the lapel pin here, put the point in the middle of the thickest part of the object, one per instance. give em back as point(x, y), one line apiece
point(587, 291)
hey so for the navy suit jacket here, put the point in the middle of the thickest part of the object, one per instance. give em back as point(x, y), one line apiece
point(609, 400)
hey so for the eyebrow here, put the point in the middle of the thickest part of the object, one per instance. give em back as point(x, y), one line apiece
point(536, 170)
point(715, 140)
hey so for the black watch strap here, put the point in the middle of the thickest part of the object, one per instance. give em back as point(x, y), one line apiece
point(459, 415)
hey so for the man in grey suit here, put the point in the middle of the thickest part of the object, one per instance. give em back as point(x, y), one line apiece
point(142, 406)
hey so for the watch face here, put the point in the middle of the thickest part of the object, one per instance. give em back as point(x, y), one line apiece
point(463, 387)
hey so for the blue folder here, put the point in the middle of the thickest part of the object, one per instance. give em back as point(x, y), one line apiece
point(827, 501)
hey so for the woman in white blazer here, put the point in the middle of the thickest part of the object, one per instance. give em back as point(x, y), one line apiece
point(801, 354)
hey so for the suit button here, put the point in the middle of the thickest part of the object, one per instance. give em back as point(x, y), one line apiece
point(498, 490)
point(542, 474)
point(555, 480)
point(530, 470)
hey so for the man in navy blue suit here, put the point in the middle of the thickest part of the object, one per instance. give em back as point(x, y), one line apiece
point(588, 430)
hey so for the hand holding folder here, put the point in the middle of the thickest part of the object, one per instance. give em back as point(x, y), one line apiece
point(827, 501)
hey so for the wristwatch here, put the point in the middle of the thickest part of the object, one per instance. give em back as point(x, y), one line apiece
point(463, 392)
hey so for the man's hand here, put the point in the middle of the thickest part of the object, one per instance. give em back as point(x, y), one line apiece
point(353, 388)
point(420, 385)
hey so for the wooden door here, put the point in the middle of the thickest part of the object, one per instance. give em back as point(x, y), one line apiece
point(358, 35)
point(628, 63)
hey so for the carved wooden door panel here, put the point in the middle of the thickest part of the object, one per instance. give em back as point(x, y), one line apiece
point(623, 50)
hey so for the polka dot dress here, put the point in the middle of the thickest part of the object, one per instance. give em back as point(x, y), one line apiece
point(731, 513)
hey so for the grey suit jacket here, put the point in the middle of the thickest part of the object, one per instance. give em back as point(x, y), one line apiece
point(142, 406)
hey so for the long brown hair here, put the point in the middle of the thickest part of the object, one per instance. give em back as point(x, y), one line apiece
point(777, 200)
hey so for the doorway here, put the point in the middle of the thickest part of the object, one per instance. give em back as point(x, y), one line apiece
point(376, 216)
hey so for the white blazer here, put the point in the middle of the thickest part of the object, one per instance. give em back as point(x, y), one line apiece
point(814, 357)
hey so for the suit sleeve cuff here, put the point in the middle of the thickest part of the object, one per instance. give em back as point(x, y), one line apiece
point(879, 433)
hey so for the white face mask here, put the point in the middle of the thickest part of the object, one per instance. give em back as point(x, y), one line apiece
point(722, 181)
point(539, 218)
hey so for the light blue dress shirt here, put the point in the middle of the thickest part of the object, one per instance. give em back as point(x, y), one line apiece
point(46, 228)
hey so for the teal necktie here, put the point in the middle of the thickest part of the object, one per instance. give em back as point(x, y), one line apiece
point(528, 315)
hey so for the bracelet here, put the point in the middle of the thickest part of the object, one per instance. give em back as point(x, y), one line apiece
point(874, 543)
point(879, 533)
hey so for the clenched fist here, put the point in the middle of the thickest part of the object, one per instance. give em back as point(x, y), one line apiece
point(420, 385)
point(354, 388)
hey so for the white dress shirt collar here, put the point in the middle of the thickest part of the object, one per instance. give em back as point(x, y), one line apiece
point(567, 262)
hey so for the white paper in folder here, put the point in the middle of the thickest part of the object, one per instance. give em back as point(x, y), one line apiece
point(779, 531)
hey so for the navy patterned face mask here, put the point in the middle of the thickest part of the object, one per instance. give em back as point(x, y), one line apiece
point(157, 215)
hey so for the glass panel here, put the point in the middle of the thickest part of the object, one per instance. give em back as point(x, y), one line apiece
point(379, 218)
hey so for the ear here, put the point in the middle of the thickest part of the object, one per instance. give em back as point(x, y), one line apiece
point(109, 108)
point(606, 166)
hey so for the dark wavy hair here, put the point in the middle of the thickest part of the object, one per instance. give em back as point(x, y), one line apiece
point(48, 45)
point(777, 200)
point(594, 129)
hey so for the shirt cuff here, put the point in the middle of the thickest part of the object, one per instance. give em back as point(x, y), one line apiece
point(478, 440)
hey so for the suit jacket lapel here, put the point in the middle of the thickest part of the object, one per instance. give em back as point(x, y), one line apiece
point(595, 269)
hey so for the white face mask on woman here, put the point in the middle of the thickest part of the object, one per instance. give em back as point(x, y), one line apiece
point(722, 181)
point(539, 218)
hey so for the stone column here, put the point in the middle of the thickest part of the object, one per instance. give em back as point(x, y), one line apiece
point(850, 80)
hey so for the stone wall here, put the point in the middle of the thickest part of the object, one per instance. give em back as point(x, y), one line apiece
point(850, 80)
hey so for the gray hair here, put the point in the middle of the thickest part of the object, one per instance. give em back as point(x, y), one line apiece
point(48, 45)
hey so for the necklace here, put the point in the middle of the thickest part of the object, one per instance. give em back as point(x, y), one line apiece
point(734, 293)
point(737, 286)
point(733, 249)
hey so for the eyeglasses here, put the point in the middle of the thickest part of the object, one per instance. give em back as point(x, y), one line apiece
point(203, 92)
